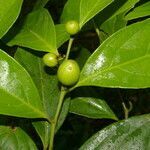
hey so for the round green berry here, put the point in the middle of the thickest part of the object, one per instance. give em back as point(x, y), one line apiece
point(72, 27)
point(68, 72)
point(50, 60)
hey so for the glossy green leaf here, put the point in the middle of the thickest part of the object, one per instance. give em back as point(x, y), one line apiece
point(121, 61)
point(141, 11)
point(47, 84)
point(83, 10)
point(71, 11)
point(113, 24)
point(127, 5)
point(40, 3)
point(129, 134)
point(89, 8)
point(37, 33)
point(19, 96)
point(15, 139)
point(61, 35)
point(117, 20)
point(9, 12)
point(91, 108)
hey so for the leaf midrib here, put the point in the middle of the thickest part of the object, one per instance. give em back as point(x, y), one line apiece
point(42, 87)
point(83, 21)
point(40, 39)
point(102, 111)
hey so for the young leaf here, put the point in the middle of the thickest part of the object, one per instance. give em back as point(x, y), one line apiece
point(141, 11)
point(129, 134)
point(9, 12)
point(127, 5)
point(37, 33)
point(114, 24)
point(71, 11)
point(43, 130)
point(83, 10)
point(13, 139)
point(116, 20)
point(19, 96)
point(89, 8)
point(91, 108)
point(61, 34)
point(121, 61)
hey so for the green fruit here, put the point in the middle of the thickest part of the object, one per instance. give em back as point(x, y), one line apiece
point(68, 72)
point(50, 60)
point(72, 27)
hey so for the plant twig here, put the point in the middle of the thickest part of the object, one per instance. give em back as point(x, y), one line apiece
point(127, 110)
point(54, 122)
point(63, 92)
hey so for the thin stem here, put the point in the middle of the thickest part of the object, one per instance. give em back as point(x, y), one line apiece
point(69, 47)
point(52, 133)
point(53, 124)
point(72, 88)
point(127, 110)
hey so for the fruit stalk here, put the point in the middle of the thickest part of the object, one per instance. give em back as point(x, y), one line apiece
point(69, 48)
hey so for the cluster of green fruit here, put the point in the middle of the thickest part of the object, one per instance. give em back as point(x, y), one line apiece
point(68, 71)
